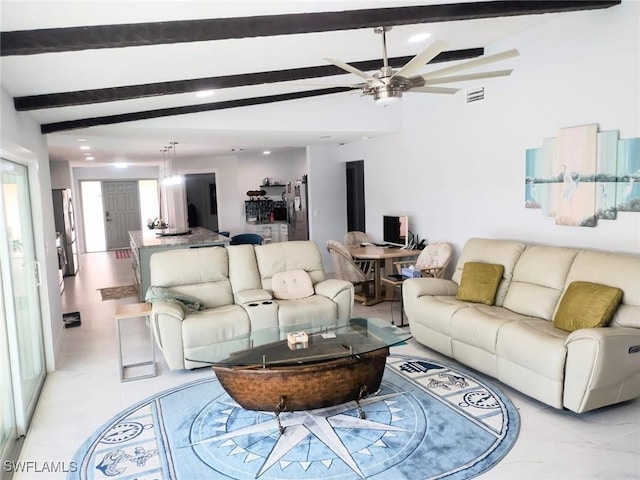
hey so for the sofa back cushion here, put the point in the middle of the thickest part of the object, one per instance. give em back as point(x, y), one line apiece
point(201, 273)
point(243, 268)
point(616, 270)
point(538, 280)
point(501, 252)
point(296, 255)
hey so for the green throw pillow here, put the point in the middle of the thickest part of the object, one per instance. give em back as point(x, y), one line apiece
point(479, 282)
point(586, 305)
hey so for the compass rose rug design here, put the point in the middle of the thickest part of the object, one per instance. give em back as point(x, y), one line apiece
point(427, 421)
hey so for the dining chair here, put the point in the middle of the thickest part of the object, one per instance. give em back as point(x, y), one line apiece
point(355, 238)
point(432, 262)
point(246, 239)
point(345, 267)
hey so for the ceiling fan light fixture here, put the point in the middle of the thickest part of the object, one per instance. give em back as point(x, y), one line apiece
point(387, 95)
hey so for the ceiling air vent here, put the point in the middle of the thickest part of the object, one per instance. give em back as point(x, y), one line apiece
point(475, 95)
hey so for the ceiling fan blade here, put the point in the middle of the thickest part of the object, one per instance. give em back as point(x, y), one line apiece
point(469, 76)
point(446, 90)
point(354, 70)
point(422, 58)
point(476, 62)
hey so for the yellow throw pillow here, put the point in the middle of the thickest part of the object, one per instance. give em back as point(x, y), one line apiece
point(479, 282)
point(586, 305)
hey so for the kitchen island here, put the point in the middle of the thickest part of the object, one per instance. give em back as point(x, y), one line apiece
point(145, 243)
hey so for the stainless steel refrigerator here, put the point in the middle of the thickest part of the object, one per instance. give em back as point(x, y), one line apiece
point(65, 221)
point(297, 210)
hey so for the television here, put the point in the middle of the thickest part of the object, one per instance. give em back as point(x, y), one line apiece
point(395, 230)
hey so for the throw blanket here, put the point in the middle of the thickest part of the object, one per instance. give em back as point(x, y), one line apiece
point(163, 294)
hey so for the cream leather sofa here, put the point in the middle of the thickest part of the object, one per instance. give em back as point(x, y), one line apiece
point(515, 340)
point(234, 284)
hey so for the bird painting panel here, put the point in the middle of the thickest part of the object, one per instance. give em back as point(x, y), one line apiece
point(575, 200)
point(628, 186)
point(606, 169)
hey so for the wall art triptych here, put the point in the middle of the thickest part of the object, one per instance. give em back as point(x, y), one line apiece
point(583, 175)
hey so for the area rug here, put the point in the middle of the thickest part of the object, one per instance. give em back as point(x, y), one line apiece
point(114, 293)
point(124, 253)
point(427, 421)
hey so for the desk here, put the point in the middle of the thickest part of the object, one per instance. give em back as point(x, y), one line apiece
point(380, 255)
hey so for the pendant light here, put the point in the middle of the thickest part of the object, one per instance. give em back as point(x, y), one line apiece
point(174, 179)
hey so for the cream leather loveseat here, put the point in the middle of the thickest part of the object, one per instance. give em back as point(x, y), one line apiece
point(235, 289)
point(515, 340)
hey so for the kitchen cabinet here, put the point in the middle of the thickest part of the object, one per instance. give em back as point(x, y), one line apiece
point(270, 232)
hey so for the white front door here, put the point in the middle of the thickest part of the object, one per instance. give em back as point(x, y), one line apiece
point(121, 212)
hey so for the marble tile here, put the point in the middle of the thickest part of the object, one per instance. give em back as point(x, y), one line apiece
point(85, 391)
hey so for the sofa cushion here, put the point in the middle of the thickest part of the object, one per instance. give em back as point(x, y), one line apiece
point(314, 310)
point(538, 280)
point(617, 270)
point(282, 256)
point(291, 285)
point(502, 252)
point(479, 282)
point(586, 305)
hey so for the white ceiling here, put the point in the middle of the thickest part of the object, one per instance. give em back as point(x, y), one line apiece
point(337, 118)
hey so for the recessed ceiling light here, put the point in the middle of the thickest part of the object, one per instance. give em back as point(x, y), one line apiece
point(81, 139)
point(204, 93)
point(366, 137)
point(90, 157)
point(266, 152)
point(120, 165)
point(419, 37)
point(85, 147)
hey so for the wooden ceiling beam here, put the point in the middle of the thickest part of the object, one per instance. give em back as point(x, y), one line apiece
point(52, 40)
point(112, 94)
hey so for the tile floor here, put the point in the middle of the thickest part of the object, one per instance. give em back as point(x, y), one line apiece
point(85, 391)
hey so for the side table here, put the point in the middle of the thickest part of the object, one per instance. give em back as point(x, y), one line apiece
point(133, 310)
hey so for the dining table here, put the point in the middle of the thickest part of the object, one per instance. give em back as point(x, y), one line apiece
point(383, 258)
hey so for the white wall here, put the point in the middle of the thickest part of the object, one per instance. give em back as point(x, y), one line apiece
point(237, 174)
point(458, 169)
point(327, 192)
point(21, 141)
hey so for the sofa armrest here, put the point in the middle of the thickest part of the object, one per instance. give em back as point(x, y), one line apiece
point(419, 287)
point(255, 295)
point(341, 293)
point(603, 367)
point(166, 321)
point(331, 287)
point(168, 308)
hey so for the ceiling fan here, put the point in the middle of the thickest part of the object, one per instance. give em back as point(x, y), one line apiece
point(387, 84)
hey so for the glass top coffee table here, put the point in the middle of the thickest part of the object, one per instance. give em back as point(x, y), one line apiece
point(306, 366)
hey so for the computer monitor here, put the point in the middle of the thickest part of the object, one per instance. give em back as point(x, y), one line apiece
point(395, 230)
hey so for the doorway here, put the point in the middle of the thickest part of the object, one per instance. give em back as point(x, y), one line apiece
point(22, 366)
point(93, 216)
point(121, 212)
point(355, 196)
point(202, 200)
